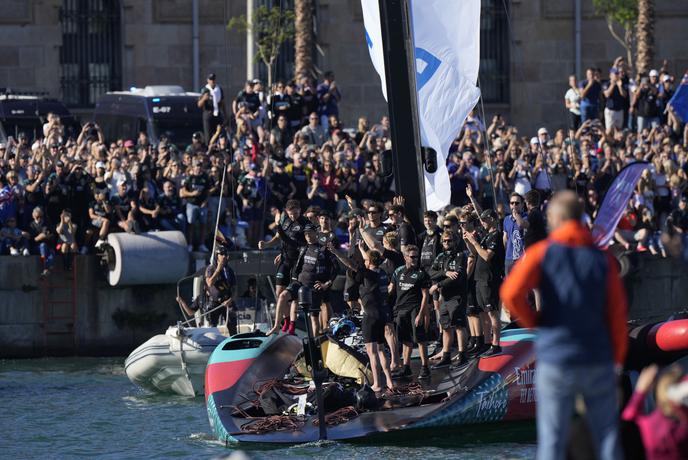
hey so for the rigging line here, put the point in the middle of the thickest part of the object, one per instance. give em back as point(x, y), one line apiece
point(487, 146)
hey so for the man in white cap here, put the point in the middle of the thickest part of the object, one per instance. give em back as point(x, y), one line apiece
point(654, 78)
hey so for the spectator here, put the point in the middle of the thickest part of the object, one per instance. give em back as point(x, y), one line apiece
point(591, 88)
point(194, 191)
point(13, 240)
point(328, 99)
point(314, 134)
point(616, 98)
point(646, 105)
point(572, 99)
point(514, 226)
point(66, 235)
point(212, 104)
point(42, 239)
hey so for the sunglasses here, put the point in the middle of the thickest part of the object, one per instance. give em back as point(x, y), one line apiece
point(447, 241)
point(447, 226)
point(412, 256)
point(463, 222)
point(515, 202)
point(373, 212)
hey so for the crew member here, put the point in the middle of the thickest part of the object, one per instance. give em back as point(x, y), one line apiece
point(488, 275)
point(289, 226)
point(582, 329)
point(407, 235)
point(410, 284)
point(448, 274)
point(372, 285)
point(315, 268)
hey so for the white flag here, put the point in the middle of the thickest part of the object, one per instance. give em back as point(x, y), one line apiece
point(446, 35)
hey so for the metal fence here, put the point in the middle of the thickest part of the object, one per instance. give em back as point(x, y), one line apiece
point(90, 55)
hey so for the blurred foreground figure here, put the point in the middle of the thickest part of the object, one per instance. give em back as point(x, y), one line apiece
point(582, 329)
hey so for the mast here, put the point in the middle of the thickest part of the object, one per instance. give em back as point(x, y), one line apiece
point(402, 101)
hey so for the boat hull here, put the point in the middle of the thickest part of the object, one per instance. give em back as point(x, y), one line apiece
point(494, 389)
point(172, 363)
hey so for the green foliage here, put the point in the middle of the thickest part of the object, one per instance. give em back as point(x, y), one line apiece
point(270, 26)
point(621, 11)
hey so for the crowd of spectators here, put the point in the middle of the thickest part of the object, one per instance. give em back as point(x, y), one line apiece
point(63, 194)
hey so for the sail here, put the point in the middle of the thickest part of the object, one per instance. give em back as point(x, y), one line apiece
point(446, 37)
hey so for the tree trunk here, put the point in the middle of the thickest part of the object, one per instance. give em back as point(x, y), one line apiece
point(303, 38)
point(646, 35)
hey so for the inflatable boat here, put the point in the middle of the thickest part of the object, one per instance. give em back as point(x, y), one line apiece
point(174, 362)
point(250, 384)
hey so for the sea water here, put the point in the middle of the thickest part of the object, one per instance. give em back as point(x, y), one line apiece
point(86, 408)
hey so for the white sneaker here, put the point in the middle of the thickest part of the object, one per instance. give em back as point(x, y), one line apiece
point(190, 247)
point(99, 243)
point(25, 252)
point(203, 248)
point(14, 252)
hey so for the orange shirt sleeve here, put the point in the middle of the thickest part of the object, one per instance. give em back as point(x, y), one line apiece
point(617, 312)
point(523, 278)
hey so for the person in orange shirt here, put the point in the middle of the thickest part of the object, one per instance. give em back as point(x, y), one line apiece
point(582, 338)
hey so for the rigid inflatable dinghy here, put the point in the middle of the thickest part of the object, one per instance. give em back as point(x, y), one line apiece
point(174, 362)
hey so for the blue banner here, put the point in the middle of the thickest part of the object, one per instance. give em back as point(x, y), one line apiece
point(615, 202)
point(679, 101)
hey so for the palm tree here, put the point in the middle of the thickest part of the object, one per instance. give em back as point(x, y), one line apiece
point(645, 28)
point(303, 40)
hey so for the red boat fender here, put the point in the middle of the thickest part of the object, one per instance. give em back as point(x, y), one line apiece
point(669, 335)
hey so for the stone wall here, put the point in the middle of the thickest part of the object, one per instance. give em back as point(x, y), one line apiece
point(157, 50)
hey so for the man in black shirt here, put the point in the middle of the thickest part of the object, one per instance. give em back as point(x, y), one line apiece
point(407, 235)
point(430, 240)
point(448, 274)
point(410, 284)
point(170, 214)
point(99, 212)
point(488, 275)
point(372, 281)
point(125, 208)
point(315, 268)
point(325, 232)
point(194, 190)
point(534, 225)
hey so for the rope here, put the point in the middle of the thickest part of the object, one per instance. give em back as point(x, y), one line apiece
point(339, 416)
point(262, 425)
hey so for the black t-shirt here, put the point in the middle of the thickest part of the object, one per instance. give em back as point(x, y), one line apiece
point(407, 235)
point(408, 286)
point(372, 290)
point(295, 112)
point(279, 104)
point(170, 206)
point(326, 237)
point(36, 228)
point(450, 261)
point(281, 183)
point(223, 287)
point(647, 103)
point(98, 208)
point(616, 101)
point(252, 100)
point(376, 232)
point(314, 264)
point(292, 238)
point(192, 183)
point(80, 188)
point(300, 179)
point(123, 202)
point(491, 270)
point(431, 247)
point(536, 230)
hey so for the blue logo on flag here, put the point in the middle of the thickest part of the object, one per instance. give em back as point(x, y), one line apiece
point(368, 40)
point(432, 63)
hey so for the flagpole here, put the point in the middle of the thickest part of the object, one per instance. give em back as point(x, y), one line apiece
point(403, 106)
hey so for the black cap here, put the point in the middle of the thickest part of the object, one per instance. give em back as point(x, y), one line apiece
point(309, 228)
point(211, 76)
point(197, 135)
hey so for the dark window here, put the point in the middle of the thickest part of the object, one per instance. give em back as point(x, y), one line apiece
point(494, 51)
point(90, 55)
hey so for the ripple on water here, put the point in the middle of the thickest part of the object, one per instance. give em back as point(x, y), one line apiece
point(66, 408)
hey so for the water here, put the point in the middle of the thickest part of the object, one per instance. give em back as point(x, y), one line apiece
point(86, 407)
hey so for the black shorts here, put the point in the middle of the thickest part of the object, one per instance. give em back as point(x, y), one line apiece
point(407, 332)
point(373, 328)
point(487, 295)
point(316, 296)
point(436, 295)
point(472, 308)
point(283, 275)
point(452, 314)
point(350, 290)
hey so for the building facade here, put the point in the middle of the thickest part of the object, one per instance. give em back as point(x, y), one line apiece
point(77, 49)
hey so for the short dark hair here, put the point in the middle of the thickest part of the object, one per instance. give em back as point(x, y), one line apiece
point(293, 204)
point(375, 257)
point(430, 215)
point(516, 195)
point(397, 208)
point(533, 198)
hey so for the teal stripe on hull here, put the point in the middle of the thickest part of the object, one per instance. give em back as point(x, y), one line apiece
point(226, 356)
point(217, 426)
